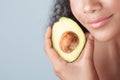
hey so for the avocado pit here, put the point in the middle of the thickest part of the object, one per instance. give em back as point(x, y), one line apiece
point(69, 41)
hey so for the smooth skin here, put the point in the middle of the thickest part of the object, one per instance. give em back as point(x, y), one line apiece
point(100, 59)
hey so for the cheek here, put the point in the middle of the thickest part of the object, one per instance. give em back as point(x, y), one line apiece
point(76, 9)
point(113, 5)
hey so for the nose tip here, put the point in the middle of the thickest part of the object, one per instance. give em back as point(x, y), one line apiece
point(92, 6)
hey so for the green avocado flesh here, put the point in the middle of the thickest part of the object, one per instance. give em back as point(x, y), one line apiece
point(68, 39)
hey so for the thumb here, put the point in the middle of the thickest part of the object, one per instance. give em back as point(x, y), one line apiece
point(88, 51)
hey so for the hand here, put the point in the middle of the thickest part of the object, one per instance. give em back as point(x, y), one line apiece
point(81, 69)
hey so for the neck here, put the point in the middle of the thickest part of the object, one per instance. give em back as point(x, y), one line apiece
point(112, 47)
point(107, 58)
point(109, 50)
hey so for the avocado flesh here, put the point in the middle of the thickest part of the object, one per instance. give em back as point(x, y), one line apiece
point(61, 27)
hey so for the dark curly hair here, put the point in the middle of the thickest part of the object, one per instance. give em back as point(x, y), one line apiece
point(62, 8)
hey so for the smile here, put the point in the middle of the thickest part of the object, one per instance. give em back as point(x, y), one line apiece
point(97, 23)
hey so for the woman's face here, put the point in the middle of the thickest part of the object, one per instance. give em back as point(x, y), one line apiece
point(100, 17)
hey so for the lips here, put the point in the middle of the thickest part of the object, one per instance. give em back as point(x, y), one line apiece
point(96, 23)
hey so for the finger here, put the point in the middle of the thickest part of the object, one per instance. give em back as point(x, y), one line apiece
point(51, 53)
point(47, 38)
point(88, 51)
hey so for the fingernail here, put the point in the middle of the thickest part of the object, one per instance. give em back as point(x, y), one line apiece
point(48, 28)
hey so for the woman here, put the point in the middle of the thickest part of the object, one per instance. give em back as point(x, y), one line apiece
point(100, 59)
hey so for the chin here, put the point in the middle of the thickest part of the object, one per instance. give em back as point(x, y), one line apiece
point(104, 38)
point(106, 34)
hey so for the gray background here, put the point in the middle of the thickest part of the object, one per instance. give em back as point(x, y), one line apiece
point(22, 27)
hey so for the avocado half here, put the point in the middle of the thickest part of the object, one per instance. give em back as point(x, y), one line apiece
point(68, 39)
